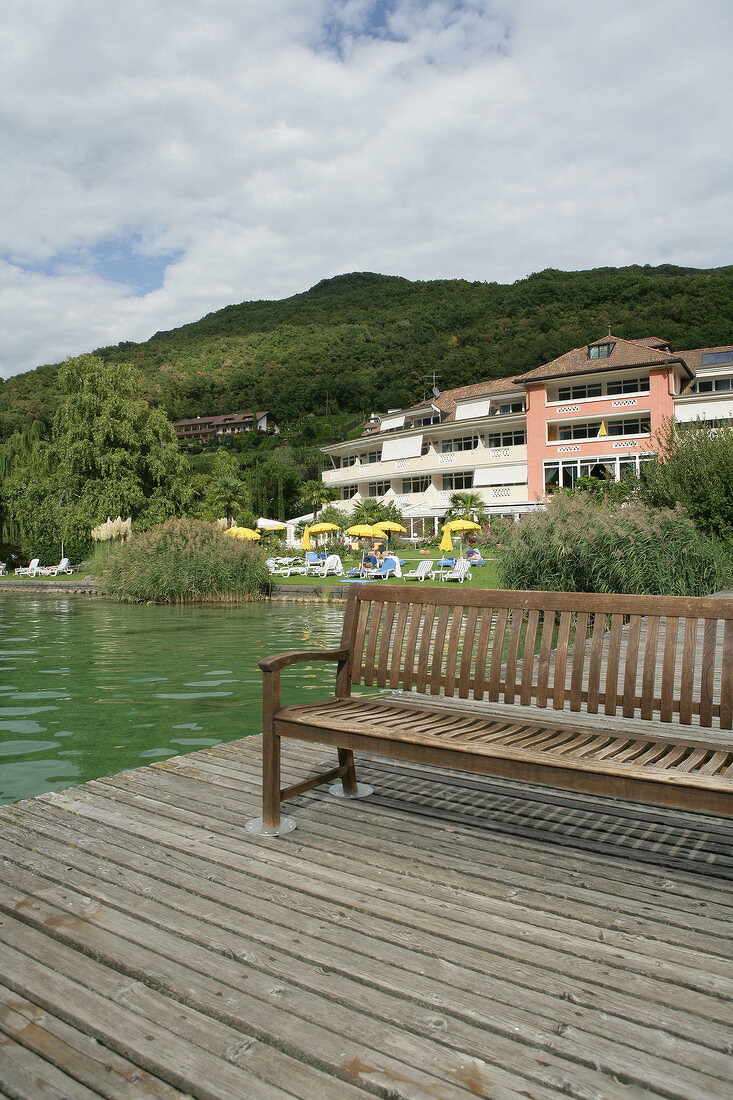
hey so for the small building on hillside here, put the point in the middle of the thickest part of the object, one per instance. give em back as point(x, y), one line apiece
point(204, 429)
point(595, 411)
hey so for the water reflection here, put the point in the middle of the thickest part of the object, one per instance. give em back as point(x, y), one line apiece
point(132, 684)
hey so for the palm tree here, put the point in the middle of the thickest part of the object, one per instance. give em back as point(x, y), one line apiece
point(466, 506)
point(226, 490)
point(368, 511)
point(314, 494)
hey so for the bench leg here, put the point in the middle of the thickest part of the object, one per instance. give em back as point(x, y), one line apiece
point(348, 786)
point(272, 823)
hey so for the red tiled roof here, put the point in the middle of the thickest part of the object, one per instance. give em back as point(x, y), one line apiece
point(625, 353)
point(694, 358)
point(446, 401)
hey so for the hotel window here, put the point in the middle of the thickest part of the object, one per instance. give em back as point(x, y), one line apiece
point(378, 488)
point(510, 407)
point(635, 425)
point(712, 385)
point(349, 460)
point(464, 443)
point(628, 385)
point(576, 393)
point(415, 484)
point(506, 439)
point(425, 421)
point(565, 474)
point(349, 491)
point(600, 351)
point(370, 456)
point(458, 481)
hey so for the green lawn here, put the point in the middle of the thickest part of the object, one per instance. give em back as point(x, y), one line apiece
point(481, 576)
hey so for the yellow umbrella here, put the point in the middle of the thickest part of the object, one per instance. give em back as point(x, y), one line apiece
point(463, 525)
point(306, 543)
point(458, 525)
point(389, 525)
point(446, 543)
point(323, 528)
point(242, 533)
point(365, 531)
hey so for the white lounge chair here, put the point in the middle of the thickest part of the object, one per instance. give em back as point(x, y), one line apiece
point(29, 570)
point(424, 570)
point(459, 572)
point(276, 569)
point(64, 566)
point(330, 567)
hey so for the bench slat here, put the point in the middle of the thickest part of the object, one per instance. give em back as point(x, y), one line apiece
point(411, 646)
point(497, 654)
point(399, 637)
point(484, 635)
point(449, 680)
point(612, 663)
point(464, 682)
point(543, 668)
point(631, 666)
point(561, 660)
point(726, 679)
point(421, 683)
point(688, 670)
point(647, 703)
point(578, 665)
point(710, 633)
point(385, 645)
point(371, 647)
point(510, 671)
point(528, 657)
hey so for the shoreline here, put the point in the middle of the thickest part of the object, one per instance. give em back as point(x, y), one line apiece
point(87, 586)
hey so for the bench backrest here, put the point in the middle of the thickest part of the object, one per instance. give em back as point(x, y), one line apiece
point(650, 657)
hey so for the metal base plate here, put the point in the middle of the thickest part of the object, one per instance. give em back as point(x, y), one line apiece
point(255, 826)
point(363, 790)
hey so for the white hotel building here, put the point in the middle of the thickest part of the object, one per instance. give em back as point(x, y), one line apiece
point(509, 440)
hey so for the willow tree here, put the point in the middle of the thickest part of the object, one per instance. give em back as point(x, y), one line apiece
point(110, 454)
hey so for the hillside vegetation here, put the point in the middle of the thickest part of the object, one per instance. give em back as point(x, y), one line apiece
point(326, 358)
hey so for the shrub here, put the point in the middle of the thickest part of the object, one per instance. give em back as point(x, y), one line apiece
point(694, 468)
point(184, 561)
point(579, 545)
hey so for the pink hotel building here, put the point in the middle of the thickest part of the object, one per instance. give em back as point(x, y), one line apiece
point(595, 410)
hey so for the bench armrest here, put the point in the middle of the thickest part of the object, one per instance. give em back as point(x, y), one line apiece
point(281, 660)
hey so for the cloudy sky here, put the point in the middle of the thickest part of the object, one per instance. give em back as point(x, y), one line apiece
point(164, 158)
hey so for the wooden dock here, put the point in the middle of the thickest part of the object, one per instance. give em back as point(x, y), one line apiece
point(447, 938)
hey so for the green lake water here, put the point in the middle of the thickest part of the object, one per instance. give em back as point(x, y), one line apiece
point(89, 688)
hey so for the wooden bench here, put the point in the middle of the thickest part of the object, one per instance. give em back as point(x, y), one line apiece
point(588, 671)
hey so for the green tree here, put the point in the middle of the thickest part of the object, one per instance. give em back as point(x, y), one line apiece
point(226, 492)
point(370, 510)
point(314, 494)
point(694, 468)
point(110, 454)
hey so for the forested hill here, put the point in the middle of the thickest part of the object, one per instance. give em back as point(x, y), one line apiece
point(362, 341)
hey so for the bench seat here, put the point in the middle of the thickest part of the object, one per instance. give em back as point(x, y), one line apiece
point(586, 670)
point(584, 759)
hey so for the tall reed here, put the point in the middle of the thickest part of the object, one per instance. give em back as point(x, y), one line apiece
point(184, 561)
point(579, 545)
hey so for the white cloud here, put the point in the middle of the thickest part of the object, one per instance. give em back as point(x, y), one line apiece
point(264, 147)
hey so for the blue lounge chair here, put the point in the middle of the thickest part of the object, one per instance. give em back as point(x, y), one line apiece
point(389, 567)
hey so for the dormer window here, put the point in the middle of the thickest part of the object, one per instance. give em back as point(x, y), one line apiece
point(600, 351)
